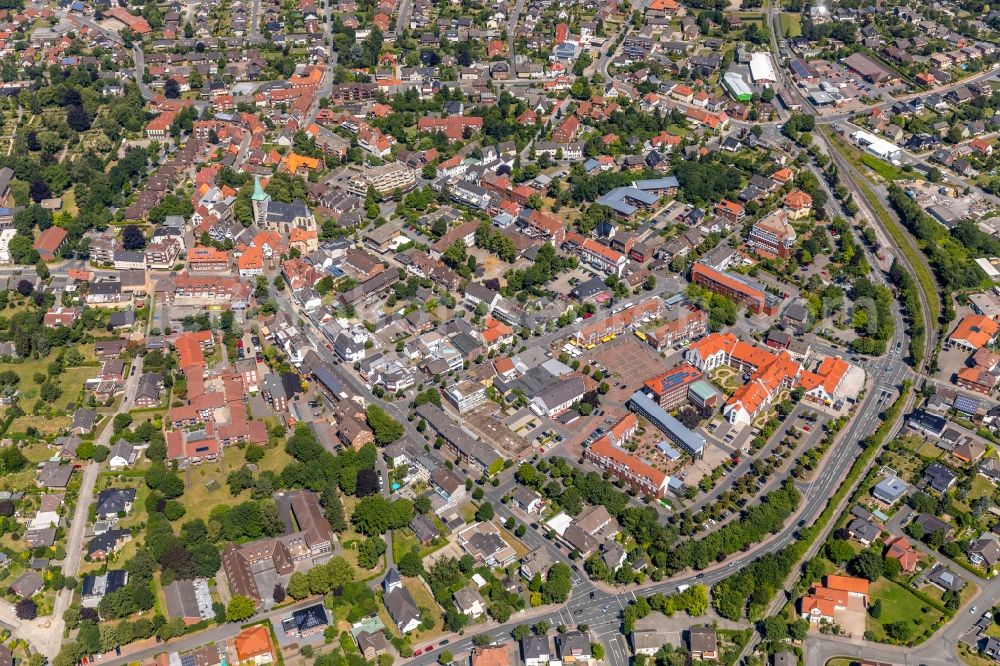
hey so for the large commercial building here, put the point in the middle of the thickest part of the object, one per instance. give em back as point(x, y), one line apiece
point(877, 146)
point(762, 69)
point(670, 389)
point(607, 452)
point(773, 235)
point(768, 372)
point(737, 87)
point(868, 68)
point(385, 179)
point(736, 287)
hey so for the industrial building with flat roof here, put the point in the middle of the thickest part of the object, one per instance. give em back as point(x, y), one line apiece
point(762, 69)
point(868, 68)
point(737, 87)
point(877, 146)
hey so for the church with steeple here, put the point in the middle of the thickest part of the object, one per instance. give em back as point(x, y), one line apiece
point(277, 215)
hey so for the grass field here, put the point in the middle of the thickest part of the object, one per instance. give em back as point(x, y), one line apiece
point(900, 605)
point(791, 25)
point(35, 452)
point(70, 381)
point(981, 487)
point(69, 203)
point(199, 500)
point(883, 168)
point(752, 17)
point(928, 450)
point(424, 599)
point(403, 542)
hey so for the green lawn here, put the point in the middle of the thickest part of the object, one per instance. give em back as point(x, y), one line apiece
point(199, 499)
point(900, 605)
point(883, 168)
point(424, 599)
point(35, 452)
point(70, 381)
point(981, 487)
point(404, 540)
point(791, 25)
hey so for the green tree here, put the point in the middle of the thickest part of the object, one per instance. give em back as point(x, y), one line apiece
point(298, 586)
point(867, 564)
point(385, 428)
point(484, 512)
point(240, 608)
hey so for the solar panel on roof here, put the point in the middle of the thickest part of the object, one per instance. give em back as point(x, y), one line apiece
point(966, 404)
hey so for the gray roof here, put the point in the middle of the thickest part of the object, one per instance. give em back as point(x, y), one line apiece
point(573, 644)
point(54, 475)
point(943, 577)
point(149, 386)
point(113, 500)
point(932, 523)
point(476, 450)
point(534, 647)
point(424, 528)
point(84, 419)
point(375, 640)
point(889, 489)
point(703, 639)
point(27, 584)
point(524, 495)
point(278, 212)
point(467, 597)
point(401, 606)
point(986, 548)
point(863, 530)
point(691, 441)
point(121, 449)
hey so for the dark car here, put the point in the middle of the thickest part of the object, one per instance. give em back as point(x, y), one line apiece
point(444, 642)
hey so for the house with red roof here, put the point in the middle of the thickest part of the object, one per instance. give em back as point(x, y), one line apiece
point(453, 127)
point(567, 130)
point(973, 332)
point(496, 333)
point(562, 33)
point(981, 146)
point(900, 549)
point(49, 242)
